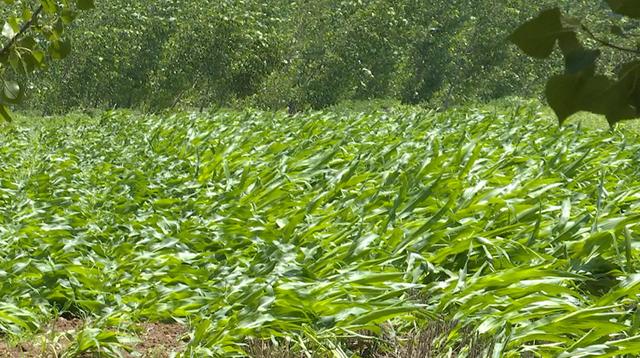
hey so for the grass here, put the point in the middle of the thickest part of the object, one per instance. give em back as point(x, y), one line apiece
point(481, 231)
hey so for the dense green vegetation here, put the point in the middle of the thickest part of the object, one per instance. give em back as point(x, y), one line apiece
point(155, 55)
point(32, 34)
point(321, 178)
point(333, 234)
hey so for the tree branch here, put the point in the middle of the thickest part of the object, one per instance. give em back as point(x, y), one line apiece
point(23, 29)
point(609, 44)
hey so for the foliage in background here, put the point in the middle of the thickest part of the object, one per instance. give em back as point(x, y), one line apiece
point(154, 55)
point(297, 54)
point(584, 86)
point(121, 41)
point(32, 34)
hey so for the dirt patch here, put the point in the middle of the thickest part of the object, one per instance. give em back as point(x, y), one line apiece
point(6, 351)
point(65, 325)
point(23, 350)
point(50, 343)
point(157, 340)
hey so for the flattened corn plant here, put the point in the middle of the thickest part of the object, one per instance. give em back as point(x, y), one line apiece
point(325, 234)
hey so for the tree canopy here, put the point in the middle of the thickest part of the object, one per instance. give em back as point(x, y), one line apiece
point(34, 32)
point(138, 54)
point(155, 55)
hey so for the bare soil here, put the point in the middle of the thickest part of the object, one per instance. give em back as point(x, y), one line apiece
point(157, 340)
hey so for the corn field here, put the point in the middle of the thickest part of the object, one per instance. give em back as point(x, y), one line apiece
point(473, 232)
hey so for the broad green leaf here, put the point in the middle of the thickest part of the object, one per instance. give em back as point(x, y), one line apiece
point(60, 49)
point(570, 94)
point(537, 37)
point(629, 8)
point(85, 4)
point(11, 91)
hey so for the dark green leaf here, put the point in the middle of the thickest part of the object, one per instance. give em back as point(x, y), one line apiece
point(569, 94)
point(629, 8)
point(85, 4)
point(11, 91)
point(537, 37)
point(60, 49)
point(582, 60)
point(5, 113)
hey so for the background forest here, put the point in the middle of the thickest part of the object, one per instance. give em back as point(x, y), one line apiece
point(304, 54)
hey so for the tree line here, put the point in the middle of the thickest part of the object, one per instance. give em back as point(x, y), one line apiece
point(307, 54)
point(283, 53)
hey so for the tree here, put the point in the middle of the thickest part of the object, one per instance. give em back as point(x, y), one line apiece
point(34, 33)
point(585, 85)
